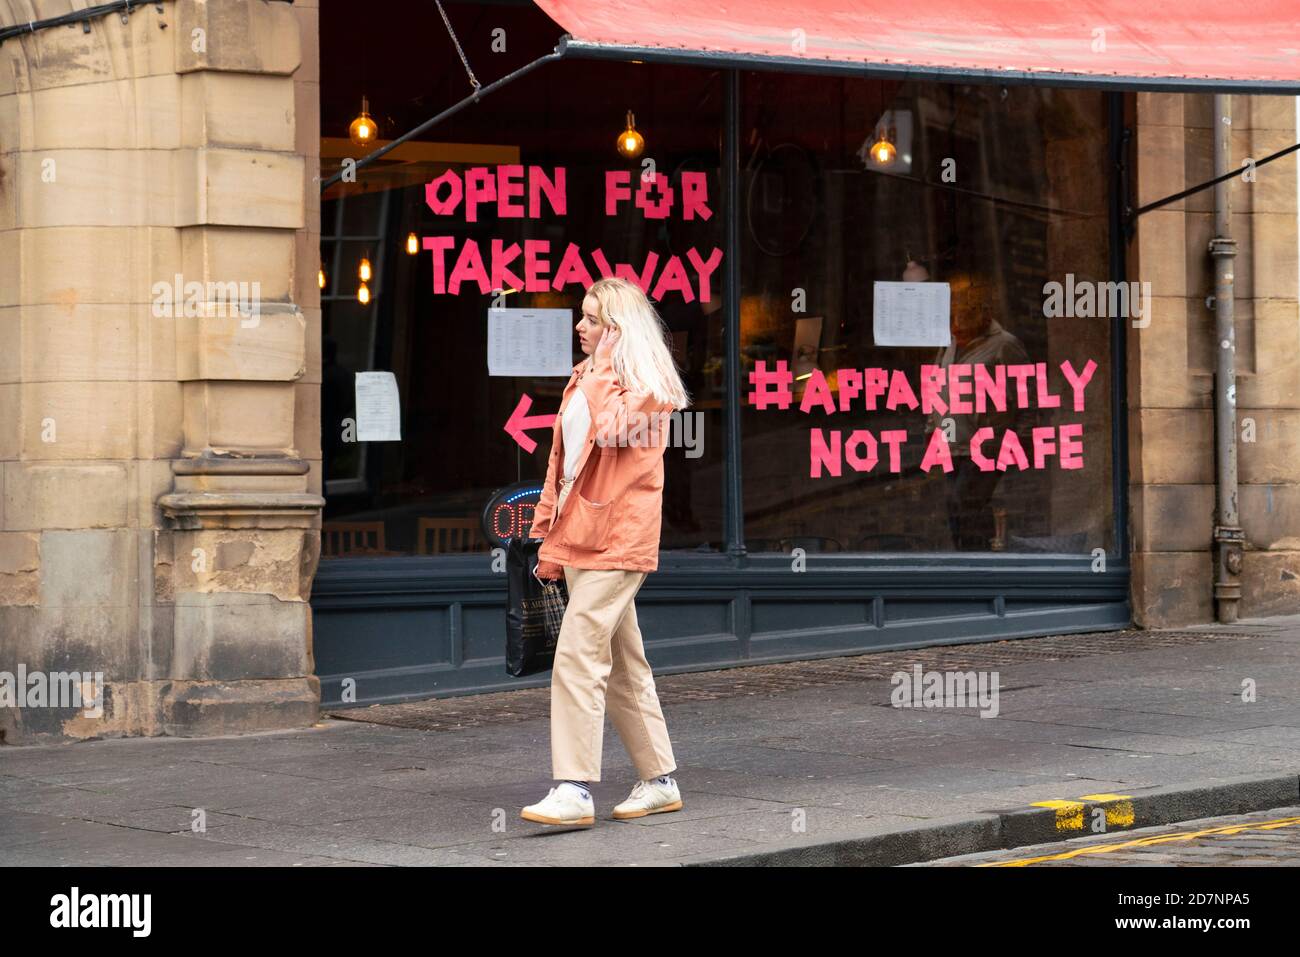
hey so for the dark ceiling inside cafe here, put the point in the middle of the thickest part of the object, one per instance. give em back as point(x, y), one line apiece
point(401, 57)
point(404, 62)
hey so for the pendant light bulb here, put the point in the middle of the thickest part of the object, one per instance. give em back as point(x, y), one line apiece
point(363, 271)
point(363, 130)
point(363, 294)
point(883, 150)
point(412, 244)
point(630, 142)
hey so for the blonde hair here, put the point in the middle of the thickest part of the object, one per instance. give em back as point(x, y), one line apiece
point(641, 357)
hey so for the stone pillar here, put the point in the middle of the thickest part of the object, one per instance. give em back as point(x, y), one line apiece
point(158, 521)
point(1171, 362)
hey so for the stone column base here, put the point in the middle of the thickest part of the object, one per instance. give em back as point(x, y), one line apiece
point(205, 708)
point(180, 708)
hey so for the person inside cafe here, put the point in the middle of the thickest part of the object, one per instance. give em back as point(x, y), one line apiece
point(977, 338)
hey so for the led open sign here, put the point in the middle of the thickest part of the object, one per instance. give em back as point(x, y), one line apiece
point(509, 512)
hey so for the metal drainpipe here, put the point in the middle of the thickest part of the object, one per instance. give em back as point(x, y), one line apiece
point(1228, 535)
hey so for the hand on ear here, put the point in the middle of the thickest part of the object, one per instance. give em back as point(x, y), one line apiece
point(605, 347)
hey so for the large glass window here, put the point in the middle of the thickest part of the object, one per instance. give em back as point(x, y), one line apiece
point(424, 494)
point(997, 191)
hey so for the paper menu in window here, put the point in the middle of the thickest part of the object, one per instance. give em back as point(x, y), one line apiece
point(530, 342)
point(379, 412)
point(911, 314)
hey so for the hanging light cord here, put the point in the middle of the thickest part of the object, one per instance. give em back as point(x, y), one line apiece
point(473, 80)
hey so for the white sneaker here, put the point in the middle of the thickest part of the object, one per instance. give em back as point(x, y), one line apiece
point(650, 797)
point(562, 805)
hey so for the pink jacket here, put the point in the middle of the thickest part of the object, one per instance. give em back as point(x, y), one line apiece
point(612, 516)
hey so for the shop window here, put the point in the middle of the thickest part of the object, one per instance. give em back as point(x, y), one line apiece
point(424, 494)
point(998, 191)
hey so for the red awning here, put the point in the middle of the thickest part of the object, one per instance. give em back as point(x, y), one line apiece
point(1216, 45)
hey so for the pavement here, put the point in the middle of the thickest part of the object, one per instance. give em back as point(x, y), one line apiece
point(1090, 739)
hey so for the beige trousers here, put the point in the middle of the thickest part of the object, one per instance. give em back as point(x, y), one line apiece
point(600, 663)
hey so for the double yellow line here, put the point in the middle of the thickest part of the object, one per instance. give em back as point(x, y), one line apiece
point(1069, 814)
point(1227, 829)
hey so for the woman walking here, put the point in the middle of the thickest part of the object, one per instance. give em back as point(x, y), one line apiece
point(599, 517)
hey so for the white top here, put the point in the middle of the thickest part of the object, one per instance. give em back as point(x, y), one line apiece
point(576, 425)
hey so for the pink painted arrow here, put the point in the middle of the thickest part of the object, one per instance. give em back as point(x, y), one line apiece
point(520, 422)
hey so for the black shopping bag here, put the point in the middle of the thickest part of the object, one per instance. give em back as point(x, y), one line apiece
point(534, 611)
